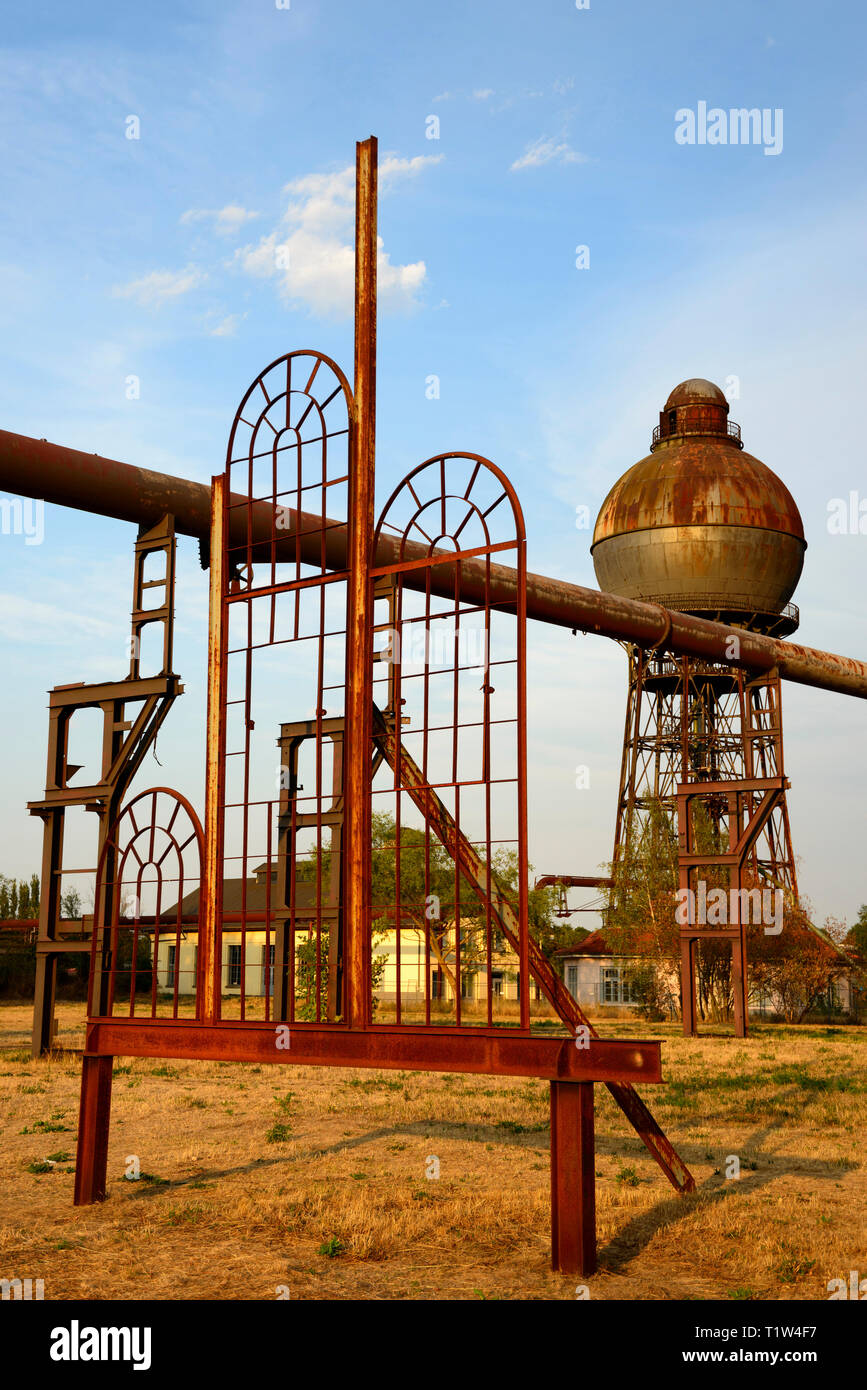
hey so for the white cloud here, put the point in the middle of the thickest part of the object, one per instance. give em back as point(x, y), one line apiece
point(161, 285)
point(227, 220)
point(312, 253)
point(442, 96)
point(26, 620)
point(483, 93)
point(227, 327)
point(545, 151)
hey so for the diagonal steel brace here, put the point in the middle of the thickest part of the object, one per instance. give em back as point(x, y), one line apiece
point(411, 780)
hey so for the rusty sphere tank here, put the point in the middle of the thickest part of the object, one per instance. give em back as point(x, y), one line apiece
point(701, 526)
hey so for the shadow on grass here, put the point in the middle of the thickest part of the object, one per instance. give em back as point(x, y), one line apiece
point(619, 1251)
point(637, 1234)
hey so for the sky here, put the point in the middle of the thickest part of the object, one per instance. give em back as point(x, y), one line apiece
point(155, 159)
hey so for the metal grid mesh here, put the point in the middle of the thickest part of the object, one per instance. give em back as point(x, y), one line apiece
point(146, 911)
point(449, 889)
point(284, 617)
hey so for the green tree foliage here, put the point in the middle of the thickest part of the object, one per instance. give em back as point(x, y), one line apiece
point(415, 872)
point(640, 920)
point(857, 935)
point(70, 905)
point(797, 967)
point(641, 904)
point(19, 898)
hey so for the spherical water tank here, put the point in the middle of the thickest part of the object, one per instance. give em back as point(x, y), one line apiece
point(699, 525)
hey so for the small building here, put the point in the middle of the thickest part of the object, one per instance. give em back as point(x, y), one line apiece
point(595, 977)
point(251, 954)
point(599, 980)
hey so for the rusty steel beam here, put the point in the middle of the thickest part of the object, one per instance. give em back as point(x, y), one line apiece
point(359, 614)
point(471, 866)
point(208, 966)
point(573, 1178)
point(611, 1061)
point(93, 1130)
point(69, 478)
point(574, 881)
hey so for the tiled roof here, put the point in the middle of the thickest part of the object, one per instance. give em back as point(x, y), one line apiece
point(592, 945)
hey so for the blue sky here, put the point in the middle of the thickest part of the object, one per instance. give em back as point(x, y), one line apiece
point(145, 257)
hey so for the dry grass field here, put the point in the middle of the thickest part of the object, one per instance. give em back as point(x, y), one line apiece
point(314, 1180)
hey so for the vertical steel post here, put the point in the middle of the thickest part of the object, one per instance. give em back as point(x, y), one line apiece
point(687, 943)
point(687, 985)
point(359, 636)
point(573, 1171)
point(93, 1120)
point(207, 983)
point(49, 916)
point(740, 997)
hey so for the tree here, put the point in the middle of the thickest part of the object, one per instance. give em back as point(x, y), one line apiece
point(19, 899)
point(414, 881)
point(797, 966)
point(70, 905)
point(856, 938)
point(639, 919)
point(547, 930)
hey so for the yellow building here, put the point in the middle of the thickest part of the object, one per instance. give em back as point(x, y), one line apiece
point(426, 955)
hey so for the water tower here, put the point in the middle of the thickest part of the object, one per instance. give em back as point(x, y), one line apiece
point(702, 527)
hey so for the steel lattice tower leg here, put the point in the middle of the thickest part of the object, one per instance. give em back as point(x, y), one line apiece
point(689, 720)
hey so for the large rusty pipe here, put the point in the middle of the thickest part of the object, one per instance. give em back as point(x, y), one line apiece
point(88, 482)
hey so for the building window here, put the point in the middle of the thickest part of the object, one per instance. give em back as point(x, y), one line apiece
point(437, 984)
point(268, 969)
point(572, 980)
point(496, 983)
point(233, 972)
point(171, 966)
point(468, 985)
point(615, 987)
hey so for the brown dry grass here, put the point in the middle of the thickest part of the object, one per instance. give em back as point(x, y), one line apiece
point(235, 1215)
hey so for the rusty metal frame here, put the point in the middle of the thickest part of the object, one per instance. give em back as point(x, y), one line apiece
point(115, 913)
point(289, 391)
point(371, 740)
point(107, 487)
point(124, 745)
point(747, 805)
point(438, 501)
point(692, 729)
point(691, 720)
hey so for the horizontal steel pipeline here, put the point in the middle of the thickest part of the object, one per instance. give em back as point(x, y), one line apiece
point(88, 482)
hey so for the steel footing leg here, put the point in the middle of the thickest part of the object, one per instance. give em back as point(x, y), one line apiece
point(687, 986)
point(573, 1178)
point(93, 1117)
point(739, 987)
point(43, 1005)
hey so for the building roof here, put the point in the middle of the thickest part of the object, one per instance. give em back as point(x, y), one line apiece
point(592, 945)
point(256, 896)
